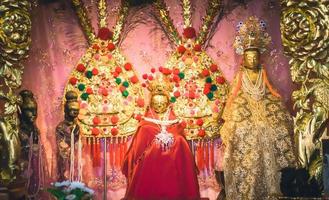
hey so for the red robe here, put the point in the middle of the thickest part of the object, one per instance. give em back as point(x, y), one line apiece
point(156, 174)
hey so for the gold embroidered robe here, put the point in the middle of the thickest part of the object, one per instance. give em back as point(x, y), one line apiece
point(258, 143)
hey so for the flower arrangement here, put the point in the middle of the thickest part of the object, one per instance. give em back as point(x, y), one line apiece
point(68, 190)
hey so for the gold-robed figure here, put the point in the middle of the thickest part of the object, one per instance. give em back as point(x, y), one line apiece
point(257, 132)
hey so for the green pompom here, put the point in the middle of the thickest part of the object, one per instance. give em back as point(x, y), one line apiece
point(125, 83)
point(208, 80)
point(81, 87)
point(118, 80)
point(84, 96)
point(210, 95)
point(181, 75)
point(89, 74)
point(173, 99)
point(213, 88)
point(125, 93)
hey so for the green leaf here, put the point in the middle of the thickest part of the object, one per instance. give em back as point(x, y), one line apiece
point(59, 194)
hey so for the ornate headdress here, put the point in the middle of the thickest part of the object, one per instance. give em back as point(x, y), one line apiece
point(251, 35)
point(158, 83)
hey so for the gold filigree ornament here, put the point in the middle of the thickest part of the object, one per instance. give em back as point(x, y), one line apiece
point(251, 34)
point(200, 89)
point(305, 36)
point(110, 95)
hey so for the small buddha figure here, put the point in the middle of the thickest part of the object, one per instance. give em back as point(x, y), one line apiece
point(32, 151)
point(67, 136)
point(159, 163)
point(257, 132)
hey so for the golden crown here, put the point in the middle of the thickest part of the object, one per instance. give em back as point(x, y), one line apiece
point(251, 35)
point(158, 82)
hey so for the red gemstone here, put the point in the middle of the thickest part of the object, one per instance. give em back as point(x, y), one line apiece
point(213, 68)
point(128, 66)
point(110, 46)
point(81, 67)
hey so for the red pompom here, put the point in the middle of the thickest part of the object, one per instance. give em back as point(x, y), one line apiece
point(177, 94)
point(181, 49)
point(89, 90)
point(73, 80)
point(150, 77)
point(213, 68)
point(114, 131)
point(81, 67)
point(153, 70)
point(205, 73)
point(140, 102)
point(176, 71)
point(199, 122)
point(206, 90)
point(145, 76)
point(176, 78)
point(189, 33)
point(104, 34)
point(118, 70)
point(122, 88)
point(94, 71)
point(191, 95)
point(96, 121)
point(128, 66)
point(96, 47)
point(138, 117)
point(220, 80)
point(114, 119)
point(134, 79)
point(202, 133)
point(115, 74)
point(166, 71)
point(197, 47)
point(105, 92)
point(95, 131)
point(110, 46)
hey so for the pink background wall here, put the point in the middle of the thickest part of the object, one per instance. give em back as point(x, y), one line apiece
point(58, 43)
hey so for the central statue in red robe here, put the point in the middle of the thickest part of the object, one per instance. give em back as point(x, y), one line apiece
point(159, 164)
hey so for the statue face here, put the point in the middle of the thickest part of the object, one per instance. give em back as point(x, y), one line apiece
point(73, 109)
point(29, 112)
point(251, 58)
point(159, 103)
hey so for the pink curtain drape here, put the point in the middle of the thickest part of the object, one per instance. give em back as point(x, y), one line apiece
point(58, 43)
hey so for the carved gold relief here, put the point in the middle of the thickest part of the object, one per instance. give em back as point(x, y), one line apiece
point(305, 36)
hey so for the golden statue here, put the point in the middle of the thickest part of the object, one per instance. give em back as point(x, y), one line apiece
point(257, 132)
point(10, 148)
point(67, 135)
point(32, 151)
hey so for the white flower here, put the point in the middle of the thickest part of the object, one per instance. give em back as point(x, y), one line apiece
point(70, 197)
point(77, 184)
point(60, 184)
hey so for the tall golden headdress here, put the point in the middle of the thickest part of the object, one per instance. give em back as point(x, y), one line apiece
point(251, 34)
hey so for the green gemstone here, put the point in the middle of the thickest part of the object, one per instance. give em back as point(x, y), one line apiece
point(125, 83)
point(181, 75)
point(125, 93)
point(173, 99)
point(89, 74)
point(81, 87)
point(84, 96)
point(213, 88)
point(118, 80)
point(208, 80)
point(210, 95)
